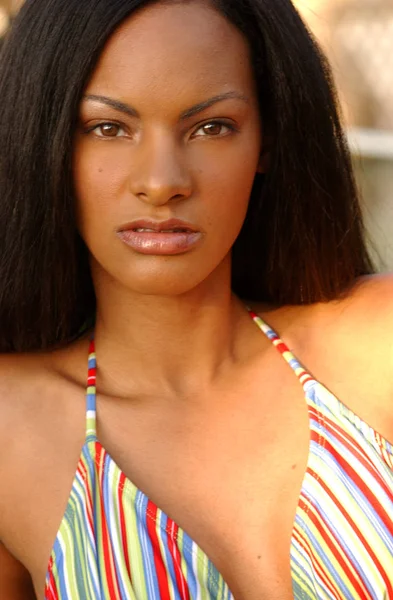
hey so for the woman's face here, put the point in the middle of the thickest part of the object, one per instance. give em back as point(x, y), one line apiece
point(167, 148)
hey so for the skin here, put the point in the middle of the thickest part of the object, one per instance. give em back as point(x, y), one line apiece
point(176, 351)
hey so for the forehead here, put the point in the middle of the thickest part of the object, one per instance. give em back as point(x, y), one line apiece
point(174, 50)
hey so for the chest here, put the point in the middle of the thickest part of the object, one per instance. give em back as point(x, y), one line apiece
point(228, 478)
point(230, 482)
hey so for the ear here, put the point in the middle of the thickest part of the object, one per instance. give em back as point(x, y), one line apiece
point(264, 159)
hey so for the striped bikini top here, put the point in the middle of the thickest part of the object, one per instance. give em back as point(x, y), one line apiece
point(115, 544)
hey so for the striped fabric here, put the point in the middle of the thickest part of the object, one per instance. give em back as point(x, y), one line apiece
point(115, 544)
point(342, 540)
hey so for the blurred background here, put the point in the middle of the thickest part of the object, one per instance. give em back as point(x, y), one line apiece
point(357, 36)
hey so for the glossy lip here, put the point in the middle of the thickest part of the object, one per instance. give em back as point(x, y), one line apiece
point(158, 226)
point(159, 241)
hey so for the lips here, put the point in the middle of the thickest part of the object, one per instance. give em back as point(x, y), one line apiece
point(168, 226)
point(163, 238)
point(147, 230)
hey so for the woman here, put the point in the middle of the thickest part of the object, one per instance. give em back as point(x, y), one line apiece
point(164, 164)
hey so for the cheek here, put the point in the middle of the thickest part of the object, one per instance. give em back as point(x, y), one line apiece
point(98, 182)
point(98, 172)
point(227, 190)
point(228, 179)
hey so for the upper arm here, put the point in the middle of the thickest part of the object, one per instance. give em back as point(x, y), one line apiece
point(355, 353)
point(15, 581)
point(372, 322)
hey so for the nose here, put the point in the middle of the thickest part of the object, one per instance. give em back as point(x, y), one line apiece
point(159, 174)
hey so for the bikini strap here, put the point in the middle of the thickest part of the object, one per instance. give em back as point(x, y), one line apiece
point(304, 377)
point(91, 430)
point(91, 391)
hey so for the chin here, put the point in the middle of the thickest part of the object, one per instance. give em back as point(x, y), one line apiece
point(163, 277)
point(161, 287)
point(165, 282)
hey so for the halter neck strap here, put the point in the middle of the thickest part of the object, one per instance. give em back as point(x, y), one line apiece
point(91, 428)
point(91, 391)
point(301, 373)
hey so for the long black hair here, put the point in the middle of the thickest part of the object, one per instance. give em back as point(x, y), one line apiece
point(302, 240)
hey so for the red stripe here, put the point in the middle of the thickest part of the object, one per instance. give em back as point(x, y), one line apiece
point(51, 588)
point(173, 530)
point(90, 509)
point(335, 548)
point(321, 574)
point(384, 444)
point(360, 484)
point(89, 501)
point(161, 572)
point(357, 451)
point(113, 587)
point(282, 348)
point(123, 524)
point(358, 532)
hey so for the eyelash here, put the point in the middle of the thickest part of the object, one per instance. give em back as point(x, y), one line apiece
point(229, 126)
point(219, 122)
point(103, 124)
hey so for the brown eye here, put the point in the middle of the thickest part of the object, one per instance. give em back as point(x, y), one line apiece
point(109, 130)
point(213, 129)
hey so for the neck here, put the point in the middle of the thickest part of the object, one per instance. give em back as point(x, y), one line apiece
point(167, 344)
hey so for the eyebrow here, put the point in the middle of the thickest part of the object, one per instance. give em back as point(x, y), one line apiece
point(116, 104)
point(187, 114)
point(201, 106)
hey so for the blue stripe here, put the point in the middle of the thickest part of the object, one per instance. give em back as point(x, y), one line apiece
point(188, 556)
point(60, 560)
point(141, 503)
point(91, 402)
point(92, 362)
point(319, 551)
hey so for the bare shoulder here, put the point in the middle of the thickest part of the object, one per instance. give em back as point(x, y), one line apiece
point(347, 345)
point(37, 418)
point(25, 380)
point(21, 380)
point(361, 323)
point(29, 384)
point(363, 314)
point(370, 297)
